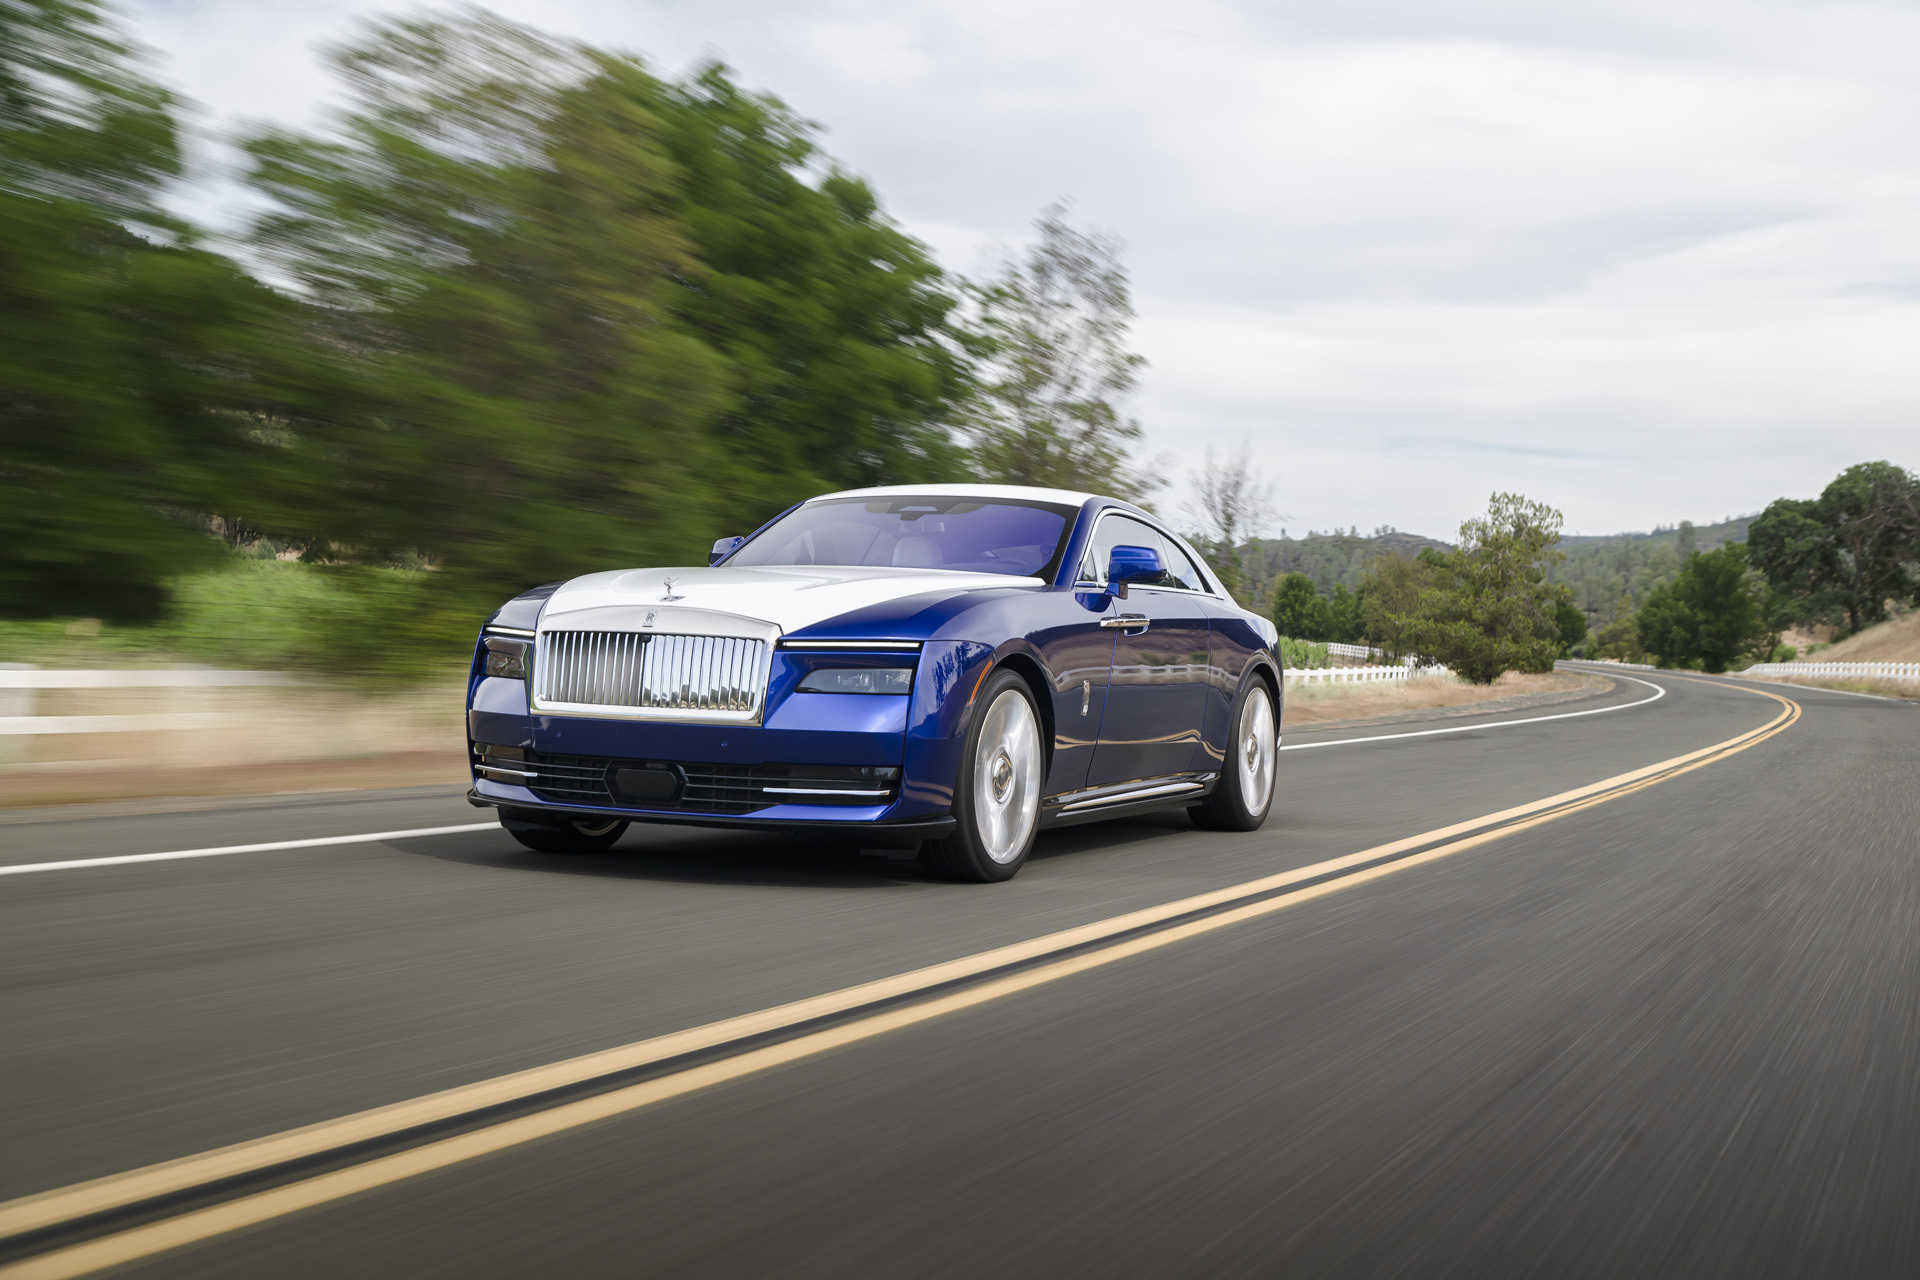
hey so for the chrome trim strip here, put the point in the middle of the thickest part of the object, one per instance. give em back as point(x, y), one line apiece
point(498, 774)
point(1128, 797)
point(821, 791)
point(891, 646)
point(517, 632)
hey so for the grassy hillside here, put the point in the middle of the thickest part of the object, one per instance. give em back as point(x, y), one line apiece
point(1896, 640)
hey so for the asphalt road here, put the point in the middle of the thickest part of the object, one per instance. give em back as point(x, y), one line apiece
point(1674, 1033)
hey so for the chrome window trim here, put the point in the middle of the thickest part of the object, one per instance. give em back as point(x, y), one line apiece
point(1100, 583)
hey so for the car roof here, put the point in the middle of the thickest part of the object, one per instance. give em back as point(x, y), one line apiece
point(1065, 497)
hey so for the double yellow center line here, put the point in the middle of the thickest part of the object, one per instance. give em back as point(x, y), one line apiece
point(116, 1220)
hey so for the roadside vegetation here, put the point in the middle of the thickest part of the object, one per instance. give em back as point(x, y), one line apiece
point(523, 308)
point(1501, 600)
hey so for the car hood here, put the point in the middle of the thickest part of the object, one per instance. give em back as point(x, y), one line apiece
point(788, 598)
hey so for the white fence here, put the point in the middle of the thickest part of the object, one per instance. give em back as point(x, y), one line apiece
point(1351, 651)
point(20, 688)
point(1838, 670)
point(1359, 675)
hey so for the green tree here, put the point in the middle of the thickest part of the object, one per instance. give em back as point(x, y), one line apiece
point(1299, 611)
point(492, 241)
point(130, 359)
point(1393, 589)
point(1051, 333)
point(1847, 552)
point(1346, 615)
point(1490, 608)
point(835, 326)
point(1619, 639)
point(1572, 623)
point(1710, 614)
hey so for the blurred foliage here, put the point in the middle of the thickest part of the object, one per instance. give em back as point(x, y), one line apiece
point(835, 327)
point(1050, 333)
point(256, 614)
point(535, 311)
point(1231, 503)
point(132, 363)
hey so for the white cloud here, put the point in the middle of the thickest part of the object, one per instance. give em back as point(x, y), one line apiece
point(1646, 261)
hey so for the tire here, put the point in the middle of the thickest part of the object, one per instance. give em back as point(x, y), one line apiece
point(545, 833)
point(1243, 797)
point(996, 799)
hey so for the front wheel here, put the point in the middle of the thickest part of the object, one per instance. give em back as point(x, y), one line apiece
point(996, 799)
point(1243, 796)
point(551, 833)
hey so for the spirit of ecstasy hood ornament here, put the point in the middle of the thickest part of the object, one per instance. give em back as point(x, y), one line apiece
point(669, 598)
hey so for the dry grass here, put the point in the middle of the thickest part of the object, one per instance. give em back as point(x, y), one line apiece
point(1325, 704)
point(269, 741)
point(1894, 641)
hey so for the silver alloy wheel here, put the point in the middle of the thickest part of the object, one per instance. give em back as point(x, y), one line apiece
point(1006, 777)
point(1253, 752)
point(594, 828)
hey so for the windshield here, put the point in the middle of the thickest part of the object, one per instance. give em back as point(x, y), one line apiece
point(972, 535)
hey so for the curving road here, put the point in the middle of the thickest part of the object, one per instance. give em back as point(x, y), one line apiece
point(1455, 1011)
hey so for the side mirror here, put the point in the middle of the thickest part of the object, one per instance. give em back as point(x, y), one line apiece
point(722, 549)
point(1132, 564)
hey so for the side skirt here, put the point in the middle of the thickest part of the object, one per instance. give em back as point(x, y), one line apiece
point(1145, 795)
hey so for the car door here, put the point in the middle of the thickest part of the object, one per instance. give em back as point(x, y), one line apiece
point(1156, 693)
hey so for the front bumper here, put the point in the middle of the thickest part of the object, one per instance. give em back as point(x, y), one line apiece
point(867, 822)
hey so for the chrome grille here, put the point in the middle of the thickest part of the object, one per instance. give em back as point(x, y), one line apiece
point(677, 677)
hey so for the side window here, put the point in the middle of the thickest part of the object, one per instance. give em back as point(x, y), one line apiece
point(1124, 531)
point(1180, 567)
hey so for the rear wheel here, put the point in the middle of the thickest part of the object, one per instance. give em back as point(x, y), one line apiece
point(996, 800)
point(1242, 798)
point(552, 833)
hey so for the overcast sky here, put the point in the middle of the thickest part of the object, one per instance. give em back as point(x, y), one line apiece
point(1646, 261)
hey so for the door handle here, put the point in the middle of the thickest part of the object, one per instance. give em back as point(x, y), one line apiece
point(1127, 622)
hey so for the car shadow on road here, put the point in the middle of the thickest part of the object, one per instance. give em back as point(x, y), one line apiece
point(695, 855)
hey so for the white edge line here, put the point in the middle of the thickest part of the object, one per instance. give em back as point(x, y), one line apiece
point(376, 837)
point(1658, 693)
point(372, 837)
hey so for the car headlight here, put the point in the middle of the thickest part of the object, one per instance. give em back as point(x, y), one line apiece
point(508, 657)
point(858, 680)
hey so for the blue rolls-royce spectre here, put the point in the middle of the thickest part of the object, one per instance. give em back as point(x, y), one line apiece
point(941, 667)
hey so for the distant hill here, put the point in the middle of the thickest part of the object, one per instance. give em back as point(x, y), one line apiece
point(1608, 572)
point(1330, 559)
point(1612, 573)
point(1706, 536)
